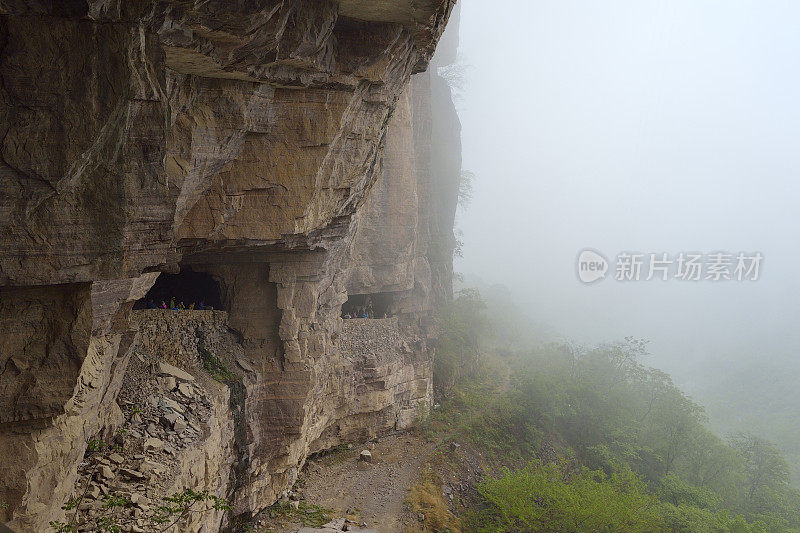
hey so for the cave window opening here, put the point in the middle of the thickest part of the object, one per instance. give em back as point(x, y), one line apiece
point(185, 290)
point(375, 305)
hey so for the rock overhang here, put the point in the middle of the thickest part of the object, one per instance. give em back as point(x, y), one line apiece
point(240, 137)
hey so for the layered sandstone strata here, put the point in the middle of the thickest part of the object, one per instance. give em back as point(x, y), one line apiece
point(240, 139)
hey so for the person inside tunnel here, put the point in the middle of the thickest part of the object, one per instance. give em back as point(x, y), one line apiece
point(187, 290)
point(376, 305)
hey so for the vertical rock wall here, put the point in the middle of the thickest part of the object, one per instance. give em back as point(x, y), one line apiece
point(278, 145)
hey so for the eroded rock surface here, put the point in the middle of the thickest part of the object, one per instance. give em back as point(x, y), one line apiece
point(280, 146)
point(177, 428)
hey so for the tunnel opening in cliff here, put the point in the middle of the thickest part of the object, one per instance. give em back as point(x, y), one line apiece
point(376, 305)
point(197, 290)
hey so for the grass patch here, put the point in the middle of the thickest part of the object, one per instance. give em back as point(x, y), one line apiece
point(425, 498)
point(94, 445)
point(213, 364)
point(307, 514)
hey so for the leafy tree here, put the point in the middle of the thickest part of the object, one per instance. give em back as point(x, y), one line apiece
point(708, 462)
point(764, 465)
point(768, 494)
point(464, 323)
point(674, 490)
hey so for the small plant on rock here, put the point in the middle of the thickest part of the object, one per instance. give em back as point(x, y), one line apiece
point(217, 369)
point(71, 505)
point(95, 445)
point(181, 504)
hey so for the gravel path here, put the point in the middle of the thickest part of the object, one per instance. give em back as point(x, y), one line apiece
point(377, 490)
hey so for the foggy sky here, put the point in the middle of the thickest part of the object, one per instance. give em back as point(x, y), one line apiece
point(636, 125)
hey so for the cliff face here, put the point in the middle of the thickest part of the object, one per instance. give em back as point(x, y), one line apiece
point(278, 146)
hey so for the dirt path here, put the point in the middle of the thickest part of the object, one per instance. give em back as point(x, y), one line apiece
point(377, 491)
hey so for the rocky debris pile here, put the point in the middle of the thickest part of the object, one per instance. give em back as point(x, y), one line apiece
point(367, 338)
point(164, 409)
point(180, 337)
point(162, 403)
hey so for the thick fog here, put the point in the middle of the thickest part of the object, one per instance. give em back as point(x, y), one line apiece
point(644, 126)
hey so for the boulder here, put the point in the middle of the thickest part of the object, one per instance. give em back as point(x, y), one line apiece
point(180, 425)
point(105, 472)
point(133, 474)
point(168, 420)
point(153, 444)
point(336, 523)
point(93, 492)
point(151, 467)
point(167, 369)
point(168, 383)
point(116, 458)
point(166, 404)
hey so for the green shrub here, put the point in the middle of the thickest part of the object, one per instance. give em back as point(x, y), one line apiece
point(217, 369)
point(547, 497)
